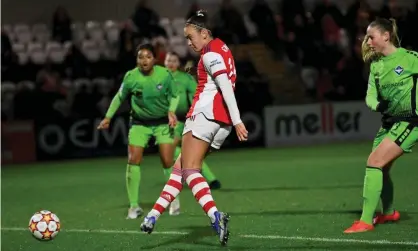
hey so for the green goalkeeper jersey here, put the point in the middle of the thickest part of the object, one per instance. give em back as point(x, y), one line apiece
point(186, 88)
point(394, 78)
point(151, 96)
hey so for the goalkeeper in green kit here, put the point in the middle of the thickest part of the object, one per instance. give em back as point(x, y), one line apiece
point(393, 92)
point(153, 102)
point(186, 88)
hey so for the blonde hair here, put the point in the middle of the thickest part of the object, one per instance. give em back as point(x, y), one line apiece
point(384, 25)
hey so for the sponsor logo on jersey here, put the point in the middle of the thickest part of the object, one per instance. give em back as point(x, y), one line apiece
point(214, 62)
point(159, 87)
point(398, 70)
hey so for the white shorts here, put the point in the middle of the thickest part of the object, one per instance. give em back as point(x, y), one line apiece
point(207, 130)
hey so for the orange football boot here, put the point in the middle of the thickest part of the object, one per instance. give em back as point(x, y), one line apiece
point(382, 218)
point(359, 227)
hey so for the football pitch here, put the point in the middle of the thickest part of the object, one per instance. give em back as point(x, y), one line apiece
point(278, 199)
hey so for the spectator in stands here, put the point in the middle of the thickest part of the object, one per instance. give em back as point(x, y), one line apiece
point(8, 58)
point(229, 24)
point(128, 40)
point(262, 16)
point(327, 7)
point(289, 10)
point(61, 25)
point(76, 64)
point(86, 102)
point(51, 95)
point(147, 21)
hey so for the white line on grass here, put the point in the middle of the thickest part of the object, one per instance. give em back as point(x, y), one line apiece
point(246, 236)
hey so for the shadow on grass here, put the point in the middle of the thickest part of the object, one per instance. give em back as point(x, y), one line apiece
point(286, 188)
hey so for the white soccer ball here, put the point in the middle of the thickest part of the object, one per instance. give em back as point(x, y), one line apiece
point(44, 225)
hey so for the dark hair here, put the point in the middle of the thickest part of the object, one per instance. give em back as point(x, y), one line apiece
point(148, 47)
point(200, 21)
point(384, 25)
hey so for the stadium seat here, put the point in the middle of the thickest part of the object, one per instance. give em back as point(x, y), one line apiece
point(23, 57)
point(91, 50)
point(18, 47)
point(21, 28)
point(26, 84)
point(177, 40)
point(8, 28)
point(23, 33)
point(101, 82)
point(34, 46)
point(79, 32)
point(56, 54)
point(78, 83)
point(95, 33)
point(41, 33)
point(38, 56)
point(178, 25)
point(181, 50)
point(67, 46)
point(165, 21)
point(111, 29)
point(166, 24)
point(67, 83)
point(8, 86)
point(52, 45)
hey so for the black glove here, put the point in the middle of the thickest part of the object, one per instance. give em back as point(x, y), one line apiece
point(387, 122)
point(382, 106)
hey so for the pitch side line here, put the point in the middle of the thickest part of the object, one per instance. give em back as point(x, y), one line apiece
point(245, 236)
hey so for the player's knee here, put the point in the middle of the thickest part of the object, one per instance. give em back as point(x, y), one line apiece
point(167, 162)
point(134, 158)
point(375, 162)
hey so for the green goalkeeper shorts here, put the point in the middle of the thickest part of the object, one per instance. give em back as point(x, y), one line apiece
point(404, 134)
point(140, 135)
point(178, 130)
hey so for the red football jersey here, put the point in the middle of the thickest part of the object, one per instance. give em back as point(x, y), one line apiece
point(216, 58)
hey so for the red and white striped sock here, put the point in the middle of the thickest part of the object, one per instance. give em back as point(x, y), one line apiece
point(201, 191)
point(170, 191)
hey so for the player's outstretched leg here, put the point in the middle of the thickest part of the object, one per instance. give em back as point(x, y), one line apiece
point(170, 191)
point(202, 194)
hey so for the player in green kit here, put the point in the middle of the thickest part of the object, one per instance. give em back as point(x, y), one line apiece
point(393, 92)
point(186, 88)
point(153, 102)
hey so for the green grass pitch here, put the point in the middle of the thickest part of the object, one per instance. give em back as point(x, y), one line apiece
point(278, 199)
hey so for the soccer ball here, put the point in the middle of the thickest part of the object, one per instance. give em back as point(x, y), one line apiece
point(44, 225)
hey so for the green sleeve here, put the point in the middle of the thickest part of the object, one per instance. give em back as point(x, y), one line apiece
point(372, 95)
point(191, 88)
point(172, 96)
point(120, 96)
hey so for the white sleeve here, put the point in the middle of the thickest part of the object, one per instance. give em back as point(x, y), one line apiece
point(214, 63)
point(223, 82)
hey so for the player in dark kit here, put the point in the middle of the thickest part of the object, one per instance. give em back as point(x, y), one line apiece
point(153, 102)
point(393, 92)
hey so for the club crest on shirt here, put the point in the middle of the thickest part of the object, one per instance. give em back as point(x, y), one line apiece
point(159, 87)
point(398, 70)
